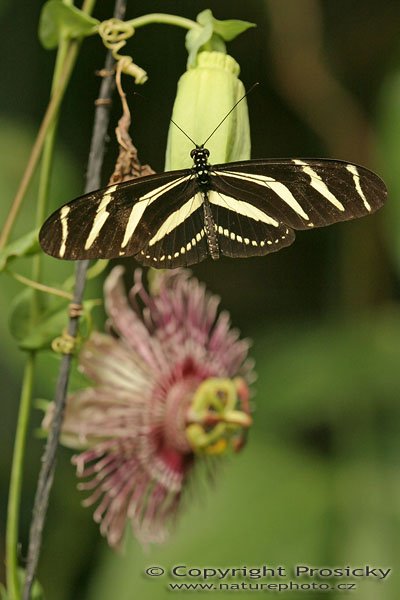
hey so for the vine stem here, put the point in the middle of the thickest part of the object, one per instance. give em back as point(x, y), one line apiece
point(163, 18)
point(14, 497)
point(36, 285)
point(66, 57)
point(68, 65)
point(46, 475)
point(71, 55)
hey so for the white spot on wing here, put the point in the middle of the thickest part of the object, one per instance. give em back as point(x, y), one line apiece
point(241, 207)
point(156, 193)
point(133, 221)
point(101, 217)
point(64, 229)
point(356, 178)
point(142, 204)
point(177, 218)
point(279, 188)
point(317, 183)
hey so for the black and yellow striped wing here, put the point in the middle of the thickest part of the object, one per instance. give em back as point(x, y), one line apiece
point(115, 221)
point(255, 205)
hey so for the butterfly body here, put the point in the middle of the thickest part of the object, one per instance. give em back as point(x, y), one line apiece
point(240, 209)
point(201, 170)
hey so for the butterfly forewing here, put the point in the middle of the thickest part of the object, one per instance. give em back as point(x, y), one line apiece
point(303, 193)
point(116, 221)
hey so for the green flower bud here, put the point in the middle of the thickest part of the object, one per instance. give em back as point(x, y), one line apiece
point(206, 93)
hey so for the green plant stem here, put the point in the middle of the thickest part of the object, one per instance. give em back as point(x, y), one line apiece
point(14, 497)
point(48, 160)
point(27, 382)
point(28, 377)
point(71, 55)
point(68, 63)
point(46, 475)
point(163, 18)
point(39, 142)
point(66, 58)
point(40, 286)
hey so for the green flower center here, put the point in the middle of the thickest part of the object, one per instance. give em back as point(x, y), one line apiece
point(218, 416)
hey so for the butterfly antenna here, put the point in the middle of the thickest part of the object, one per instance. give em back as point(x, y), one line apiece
point(232, 109)
point(184, 132)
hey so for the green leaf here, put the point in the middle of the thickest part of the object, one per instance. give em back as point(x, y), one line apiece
point(24, 246)
point(37, 592)
point(228, 29)
point(51, 323)
point(20, 314)
point(212, 34)
point(41, 335)
point(59, 20)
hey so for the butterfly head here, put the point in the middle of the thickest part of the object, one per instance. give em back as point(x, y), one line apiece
point(200, 157)
point(200, 154)
point(201, 166)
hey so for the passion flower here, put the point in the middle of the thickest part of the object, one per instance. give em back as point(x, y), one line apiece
point(170, 386)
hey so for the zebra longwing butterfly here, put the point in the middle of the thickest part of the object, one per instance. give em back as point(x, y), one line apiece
point(238, 209)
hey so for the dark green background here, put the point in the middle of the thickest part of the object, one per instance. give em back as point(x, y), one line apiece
point(319, 482)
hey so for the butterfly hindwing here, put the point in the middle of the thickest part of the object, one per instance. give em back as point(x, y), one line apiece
point(180, 241)
point(244, 230)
